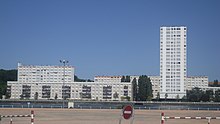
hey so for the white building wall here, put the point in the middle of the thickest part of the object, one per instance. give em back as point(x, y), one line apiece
point(46, 74)
point(155, 80)
point(52, 76)
point(197, 81)
point(172, 61)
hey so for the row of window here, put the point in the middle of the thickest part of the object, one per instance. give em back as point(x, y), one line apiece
point(172, 28)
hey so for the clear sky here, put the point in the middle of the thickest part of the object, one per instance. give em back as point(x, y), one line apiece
point(107, 37)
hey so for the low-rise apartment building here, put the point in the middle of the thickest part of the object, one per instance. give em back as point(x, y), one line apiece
point(57, 82)
point(196, 81)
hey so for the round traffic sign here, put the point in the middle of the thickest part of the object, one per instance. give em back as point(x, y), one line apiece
point(127, 112)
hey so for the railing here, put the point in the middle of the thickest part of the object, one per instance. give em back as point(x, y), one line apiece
point(163, 118)
point(32, 106)
point(112, 107)
point(18, 116)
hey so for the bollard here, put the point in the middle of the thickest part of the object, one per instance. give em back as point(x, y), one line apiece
point(209, 119)
point(11, 120)
point(32, 117)
point(162, 118)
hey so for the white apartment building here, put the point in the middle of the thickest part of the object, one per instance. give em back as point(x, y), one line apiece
point(43, 74)
point(191, 82)
point(200, 82)
point(155, 81)
point(50, 82)
point(40, 80)
point(173, 61)
point(197, 81)
point(111, 88)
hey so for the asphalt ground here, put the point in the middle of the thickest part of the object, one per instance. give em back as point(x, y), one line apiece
point(103, 116)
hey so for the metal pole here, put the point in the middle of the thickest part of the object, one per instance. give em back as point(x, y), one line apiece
point(120, 117)
point(132, 119)
point(64, 90)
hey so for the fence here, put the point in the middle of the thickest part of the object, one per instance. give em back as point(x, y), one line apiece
point(18, 116)
point(113, 107)
point(163, 118)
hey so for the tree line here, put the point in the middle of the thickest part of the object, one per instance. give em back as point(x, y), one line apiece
point(198, 95)
point(76, 79)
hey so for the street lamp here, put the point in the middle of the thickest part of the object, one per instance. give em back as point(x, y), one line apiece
point(64, 62)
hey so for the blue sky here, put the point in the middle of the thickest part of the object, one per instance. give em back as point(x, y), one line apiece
point(107, 37)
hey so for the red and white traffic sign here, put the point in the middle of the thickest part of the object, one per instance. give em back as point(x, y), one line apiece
point(127, 111)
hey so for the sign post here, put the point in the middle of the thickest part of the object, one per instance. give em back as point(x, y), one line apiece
point(127, 113)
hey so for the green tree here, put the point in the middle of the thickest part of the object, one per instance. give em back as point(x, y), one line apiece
point(211, 95)
point(207, 96)
point(144, 88)
point(76, 79)
point(127, 79)
point(21, 96)
point(134, 89)
point(125, 98)
point(195, 95)
point(3, 87)
point(149, 89)
point(8, 92)
point(158, 96)
point(184, 99)
point(56, 96)
point(166, 96)
point(217, 96)
point(6, 75)
point(177, 97)
point(36, 96)
point(123, 79)
point(115, 95)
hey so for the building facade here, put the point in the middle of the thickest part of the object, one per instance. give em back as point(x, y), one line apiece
point(173, 61)
point(57, 82)
point(197, 81)
point(155, 81)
